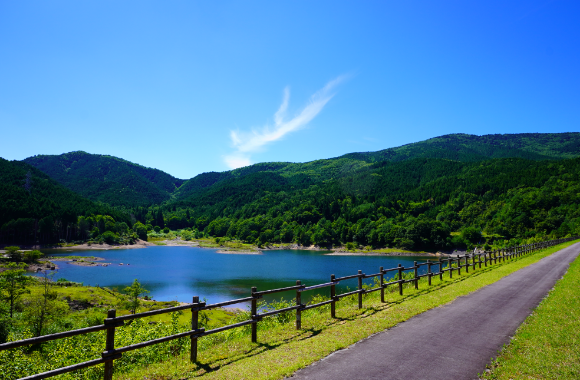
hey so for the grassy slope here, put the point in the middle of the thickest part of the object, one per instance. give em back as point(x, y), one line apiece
point(103, 299)
point(287, 350)
point(547, 344)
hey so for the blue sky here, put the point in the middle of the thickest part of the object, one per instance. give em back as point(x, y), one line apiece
point(190, 87)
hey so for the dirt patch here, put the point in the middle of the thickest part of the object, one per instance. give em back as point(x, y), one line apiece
point(104, 246)
point(76, 305)
point(177, 243)
point(382, 254)
point(232, 252)
point(43, 264)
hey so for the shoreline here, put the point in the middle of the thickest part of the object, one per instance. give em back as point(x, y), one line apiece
point(88, 261)
point(340, 251)
point(426, 254)
point(234, 252)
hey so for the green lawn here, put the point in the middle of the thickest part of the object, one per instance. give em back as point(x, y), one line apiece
point(286, 349)
point(547, 344)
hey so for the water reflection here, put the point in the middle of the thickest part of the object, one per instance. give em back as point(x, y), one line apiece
point(179, 273)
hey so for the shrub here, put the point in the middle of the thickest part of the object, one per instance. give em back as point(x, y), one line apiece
point(141, 230)
point(14, 253)
point(31, 256)
point(471, 234)
point(110, 237)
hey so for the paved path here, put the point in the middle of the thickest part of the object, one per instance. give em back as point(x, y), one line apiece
point(455, 341)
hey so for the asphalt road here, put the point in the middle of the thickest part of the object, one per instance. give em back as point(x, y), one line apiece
point(454, 341)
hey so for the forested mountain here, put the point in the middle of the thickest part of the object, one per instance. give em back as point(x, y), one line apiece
point(413, 204)
point(457, 147)
point(35, 208)
point(122, 183)
point(440, 193)
point(108, 179)
point(464, 147)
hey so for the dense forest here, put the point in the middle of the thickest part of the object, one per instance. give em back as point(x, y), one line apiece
point(448, 192)
point(35, 209)
point(108, 179)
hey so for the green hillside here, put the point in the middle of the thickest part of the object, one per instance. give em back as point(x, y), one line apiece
point(414, 204)
point(456, 147)
point(464, 147)
point(37, 209)
point(447, 192)
point(108, 179)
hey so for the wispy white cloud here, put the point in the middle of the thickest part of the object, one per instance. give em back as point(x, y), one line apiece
point(246, 143)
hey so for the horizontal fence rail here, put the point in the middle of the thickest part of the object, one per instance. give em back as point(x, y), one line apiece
point(442, 265)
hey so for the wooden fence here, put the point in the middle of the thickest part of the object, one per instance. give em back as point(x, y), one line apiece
point(449, 264)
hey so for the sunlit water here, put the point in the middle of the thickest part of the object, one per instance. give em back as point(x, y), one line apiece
point(178, 273)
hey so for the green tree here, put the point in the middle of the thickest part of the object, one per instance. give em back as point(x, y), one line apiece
point(44, 308)
point(14, 253)
point(83, 225)
point(110, 237)
point(32, 256)
point(13, 283)
point(159, 219)
point(141, 230)
point(471, 234)
point(5, 322)
point(133, 292)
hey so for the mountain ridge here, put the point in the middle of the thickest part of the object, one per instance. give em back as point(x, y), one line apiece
point(123, 183)
point(439, 193)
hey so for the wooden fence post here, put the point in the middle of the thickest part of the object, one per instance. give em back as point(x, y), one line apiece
point(450, 267)
point(298, 303)
point(459, 265)
point(416, 273)
point(110, 343)
point(467, 263)
point(332, 295)
point(400, 268)
point(194, 326)
point(440, 269)
point(429, 274)
point(382, 281)
point(360, 288)
point(254, 315)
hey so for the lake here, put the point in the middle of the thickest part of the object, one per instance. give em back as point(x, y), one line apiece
point(178, 273)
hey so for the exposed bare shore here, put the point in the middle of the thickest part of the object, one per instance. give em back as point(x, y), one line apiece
point(175, 243)
point(104, 246)
point(383, 254)
point(233, 252)
point(89, 261)
point(338, 251)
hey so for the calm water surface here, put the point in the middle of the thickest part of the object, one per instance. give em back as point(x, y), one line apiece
point(178, 273)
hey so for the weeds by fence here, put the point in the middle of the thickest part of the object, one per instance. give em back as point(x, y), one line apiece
point(382, 281)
